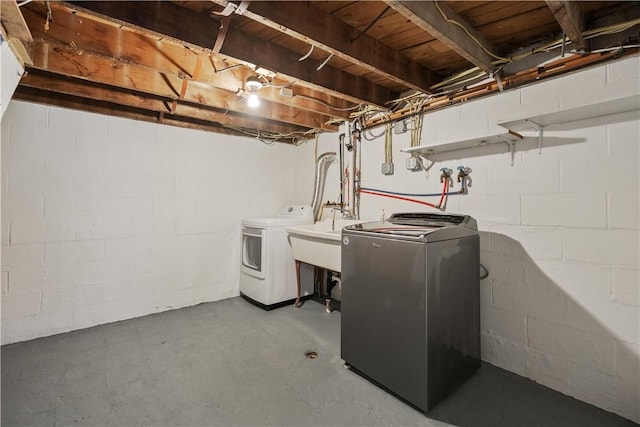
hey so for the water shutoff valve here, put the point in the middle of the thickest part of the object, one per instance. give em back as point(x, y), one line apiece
point(463, 173)
point(445, 173)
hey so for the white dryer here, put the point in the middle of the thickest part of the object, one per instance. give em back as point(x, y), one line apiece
point(267, 272)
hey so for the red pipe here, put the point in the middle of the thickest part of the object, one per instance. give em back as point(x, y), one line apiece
point(445, 187)
point(398, 197)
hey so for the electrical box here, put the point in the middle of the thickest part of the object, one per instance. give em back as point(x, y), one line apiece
point(413, 164)
point(400, 127)
point(285, 92)
point(387, 168)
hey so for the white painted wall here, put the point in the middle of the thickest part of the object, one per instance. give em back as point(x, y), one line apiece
point(559, 231)
point(105, 219)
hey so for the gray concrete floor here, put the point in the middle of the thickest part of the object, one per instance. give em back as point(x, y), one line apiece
point(230, 364)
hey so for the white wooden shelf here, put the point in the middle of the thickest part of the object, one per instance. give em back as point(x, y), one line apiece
point(508, 137)
point(535, 123)
point(585, 112)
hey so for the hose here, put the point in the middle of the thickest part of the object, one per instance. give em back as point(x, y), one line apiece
point(485, 274)
point(448, 193)
point(444, 192)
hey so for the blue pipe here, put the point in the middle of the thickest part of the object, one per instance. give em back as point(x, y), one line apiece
point(448, 193)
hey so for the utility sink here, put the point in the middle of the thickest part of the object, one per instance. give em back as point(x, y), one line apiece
point(319, 244)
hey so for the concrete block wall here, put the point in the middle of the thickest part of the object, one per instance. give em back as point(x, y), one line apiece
point(105, 218)
point(559, 230)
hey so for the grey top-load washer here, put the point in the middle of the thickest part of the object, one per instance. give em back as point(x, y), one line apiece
point(410, 303)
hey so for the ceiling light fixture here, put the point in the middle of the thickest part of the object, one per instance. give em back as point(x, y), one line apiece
point(253, 100)
point(252, 85)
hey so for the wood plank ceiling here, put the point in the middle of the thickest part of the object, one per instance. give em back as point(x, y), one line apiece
point(313, 63)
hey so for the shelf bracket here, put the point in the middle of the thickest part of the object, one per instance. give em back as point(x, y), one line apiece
point(540, 130)
point(426, 163)
point(512, 149)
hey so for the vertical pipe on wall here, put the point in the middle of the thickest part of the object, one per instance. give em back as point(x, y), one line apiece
point(341, 171)
point(322, 164)
point(353, 166)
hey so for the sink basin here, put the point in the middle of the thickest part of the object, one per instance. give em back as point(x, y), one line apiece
point(319, 244)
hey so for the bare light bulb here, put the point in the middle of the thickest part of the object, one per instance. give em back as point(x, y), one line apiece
point(253, 101)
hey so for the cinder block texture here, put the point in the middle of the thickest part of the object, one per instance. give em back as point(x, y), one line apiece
point(106, 219)
point(559, 230)
point(159, 209)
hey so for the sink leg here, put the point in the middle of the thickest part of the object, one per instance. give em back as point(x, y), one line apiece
point(297, 304)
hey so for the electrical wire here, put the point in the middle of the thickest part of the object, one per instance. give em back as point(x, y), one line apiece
point(611, 49)
point(24, 2)
point(371, 136)
point(328, 105)
point(273, 136)
point(307, 54)
point(464, 28)
point(269, 83)
point(388, 142)
point(371, 24)
point(230, 67)
point(324, 62)
point(416, 121)
point(553, 45)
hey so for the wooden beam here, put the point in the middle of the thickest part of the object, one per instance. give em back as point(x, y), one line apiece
point(571, 20)
point(160, 17)
point(322, 30)
point(13, 22)
point(101, 39)
point(101, 70)
point(83, 89)
point(43, 96)
point(15, 31)
point(444, 24)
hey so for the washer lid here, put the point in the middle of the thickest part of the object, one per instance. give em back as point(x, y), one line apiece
point(428, 227)
point(388, 228)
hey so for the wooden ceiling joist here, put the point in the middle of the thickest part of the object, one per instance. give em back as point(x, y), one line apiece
point(106, 71)
point(444, 24)
point(14, 30)
point(571, 19)
point(102, 107)
point(94, 38)
point(118, 96)
point(322, 30)
point(200, 32)
point(157, 60)
point(13, 23)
